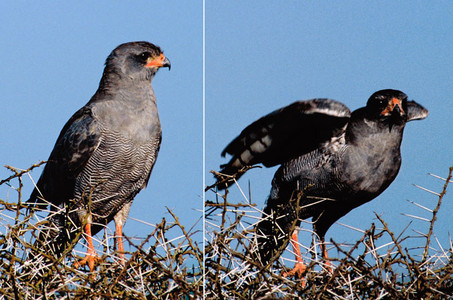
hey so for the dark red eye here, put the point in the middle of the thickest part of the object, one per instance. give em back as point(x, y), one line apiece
point(143, 57)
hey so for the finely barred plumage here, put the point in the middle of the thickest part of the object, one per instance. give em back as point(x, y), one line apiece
point(106, 151)
point(337, 159)
point(121, 169)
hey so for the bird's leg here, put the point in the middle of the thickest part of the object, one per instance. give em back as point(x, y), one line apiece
point(299, 267)
point(91, 256)
point(120, 219)
point(325, 256)
point(119, 242)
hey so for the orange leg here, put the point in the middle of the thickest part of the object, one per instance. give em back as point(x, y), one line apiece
point(325, 256)
point(119, 242)
point(91, 256)
point(299, 267)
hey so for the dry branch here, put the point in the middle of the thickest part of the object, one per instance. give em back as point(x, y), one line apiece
point(158, 268)
point(377, 266)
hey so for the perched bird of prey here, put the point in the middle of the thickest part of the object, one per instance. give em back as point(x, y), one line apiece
point(331, 161)
point(105, 153)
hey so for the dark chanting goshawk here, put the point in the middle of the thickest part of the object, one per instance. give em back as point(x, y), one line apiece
point(105, 153)
point(335, 159)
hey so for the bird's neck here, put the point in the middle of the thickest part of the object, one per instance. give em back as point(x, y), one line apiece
point(372, 148)
point(126, 92)
point(369, 131)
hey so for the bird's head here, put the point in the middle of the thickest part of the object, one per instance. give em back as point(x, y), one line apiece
point(136, 60)
point(388, 106)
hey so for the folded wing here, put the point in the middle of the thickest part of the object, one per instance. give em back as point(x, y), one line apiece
point(75, 145)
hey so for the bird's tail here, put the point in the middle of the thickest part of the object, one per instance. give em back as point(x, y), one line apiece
point(228, 175)
point(53, 240)
point(274, 230)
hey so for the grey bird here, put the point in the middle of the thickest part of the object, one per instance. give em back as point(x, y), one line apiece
point(105, 153)
point(331, 161)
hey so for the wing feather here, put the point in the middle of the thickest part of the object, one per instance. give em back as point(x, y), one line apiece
point(75, 145)
point(286, 133)
point(415, 111)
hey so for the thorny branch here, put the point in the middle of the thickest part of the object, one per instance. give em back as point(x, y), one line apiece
point(377, 266)
point(435, 211)
point(159, 268)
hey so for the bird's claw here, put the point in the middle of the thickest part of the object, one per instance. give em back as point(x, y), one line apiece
point(298, 271)
point(90, 260)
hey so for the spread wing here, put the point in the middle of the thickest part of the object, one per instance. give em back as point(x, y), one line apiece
point(74, 147)
point(285, 134)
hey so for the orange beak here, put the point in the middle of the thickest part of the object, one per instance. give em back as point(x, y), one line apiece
point(393, 103)
point(160, 61)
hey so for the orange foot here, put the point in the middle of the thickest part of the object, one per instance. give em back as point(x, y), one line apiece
point(299, 268)
point(298, 271)
point(90, 260)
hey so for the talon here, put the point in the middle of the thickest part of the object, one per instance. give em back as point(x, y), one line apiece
point(298, 270)
point(90, 259)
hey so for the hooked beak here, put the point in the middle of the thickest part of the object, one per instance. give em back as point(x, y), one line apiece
point(394, 108)
point(159, 62)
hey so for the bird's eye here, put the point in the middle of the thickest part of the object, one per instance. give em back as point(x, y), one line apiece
point(382, 101)
point(143, 56)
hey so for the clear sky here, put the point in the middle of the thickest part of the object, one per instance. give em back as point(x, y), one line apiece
point(260, 56)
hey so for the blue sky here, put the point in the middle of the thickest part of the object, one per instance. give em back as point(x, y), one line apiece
point(260, 56)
